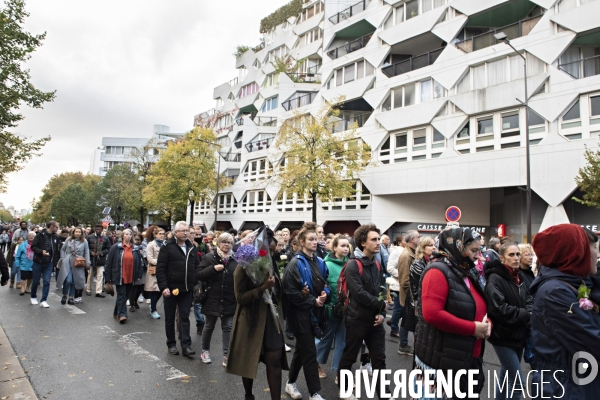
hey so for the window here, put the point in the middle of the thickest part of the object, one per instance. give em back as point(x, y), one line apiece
point(310, 12)
point(258, 169)
point(572, 118)
point(419, 137)
point(437, 139)
point(270, 80)
point(410, 9)
point(510, 125)
point(270, 104)
point(385, 148)
point(401, 141)
point(465, 132)
point(256, 64)
point(227, 203)
point(310, 36)
point(279, 52)
point(243, 72)
point(248, 90)
point(359, 198)
point(256, 201)
point(595, 109)
point(485, 126)
point(219, 103)
point(535, 123)
point(413, 93)
point(350, 72)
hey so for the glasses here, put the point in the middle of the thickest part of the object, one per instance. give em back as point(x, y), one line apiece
point(514, 254)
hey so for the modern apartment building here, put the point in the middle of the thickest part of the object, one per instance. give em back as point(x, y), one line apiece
point(440, 101)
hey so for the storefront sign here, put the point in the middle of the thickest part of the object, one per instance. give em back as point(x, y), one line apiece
point(439, 228)
point(593, 228)
point(501, 230)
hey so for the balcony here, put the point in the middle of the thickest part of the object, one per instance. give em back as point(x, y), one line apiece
point(265, 121)
point(299, 101)
point(304, 77)
point(348, 12)
point(239, 121)
point(582, 68)
point(349, 47)
point(487, 39)
point(259, 145)
point(412, 63)
point(232, 157)
point(348, 122)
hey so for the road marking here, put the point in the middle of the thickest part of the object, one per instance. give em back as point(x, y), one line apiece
point(129, 343)
point(72, 309)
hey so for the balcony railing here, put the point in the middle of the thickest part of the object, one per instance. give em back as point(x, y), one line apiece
point(348, 12)
point(265, 121)
point(349, 47)
point(233, 82)
point(258, 145)
point(304, 77)
point(232, 157)
point(582, 68)
point(239, 121)
point(300, 101)
point(412, 63)
point(346, 123)
point(512, 31)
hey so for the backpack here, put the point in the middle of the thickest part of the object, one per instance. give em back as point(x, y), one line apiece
point(339, 308)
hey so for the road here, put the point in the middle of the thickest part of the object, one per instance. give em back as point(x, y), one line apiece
point(74, 352)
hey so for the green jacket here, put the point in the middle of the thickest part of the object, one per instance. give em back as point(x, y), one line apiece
point(335, 268)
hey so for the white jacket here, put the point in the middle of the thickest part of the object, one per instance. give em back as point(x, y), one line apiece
point(392, 267)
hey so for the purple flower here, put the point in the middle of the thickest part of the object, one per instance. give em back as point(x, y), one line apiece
point(586, 304)
point(246, 254)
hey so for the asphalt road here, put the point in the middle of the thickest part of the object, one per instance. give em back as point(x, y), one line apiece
point(75, 352)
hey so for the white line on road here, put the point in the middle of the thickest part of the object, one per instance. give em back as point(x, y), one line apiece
point(129, 343)
point(72, 309)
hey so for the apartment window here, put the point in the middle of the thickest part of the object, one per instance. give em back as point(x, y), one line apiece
point(572, 118)
point(270, 80)
point(413, 93)
point(410, 9)
point(535, 123)
point(256, 64)
point(256, 201)
point(385, 148)
point(510, 125)
point(401, 141)
point(485, 126)
point(465, 132)
point(270, 104)
point(218, 103)
point(248, 90)
point(108, 150)
point(419, 137)
point(437, 139)
point(350, 72)
point(257, 170)
point(311, 11)
point(227, 204)
point(595, 110)
point(279, 52)
point(359, 198)
point(310, 36)
point(431, 90)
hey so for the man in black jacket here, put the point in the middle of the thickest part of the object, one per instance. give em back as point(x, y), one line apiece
point(176, 270)
point(46, 252)
point(99, 247)
point(366, 312)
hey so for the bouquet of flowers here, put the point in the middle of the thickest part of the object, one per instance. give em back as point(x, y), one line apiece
point(256, 260)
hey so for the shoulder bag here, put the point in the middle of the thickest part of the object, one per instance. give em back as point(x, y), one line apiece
point(79, 262)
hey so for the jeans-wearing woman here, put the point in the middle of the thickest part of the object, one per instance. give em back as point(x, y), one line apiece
point(70, 277)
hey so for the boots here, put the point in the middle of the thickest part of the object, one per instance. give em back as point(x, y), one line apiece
point(199, 329)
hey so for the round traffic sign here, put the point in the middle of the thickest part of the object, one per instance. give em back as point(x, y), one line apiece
point(453, 214)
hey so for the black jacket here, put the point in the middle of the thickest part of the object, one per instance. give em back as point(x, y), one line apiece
point(416, 270)
point(176, 270)
point(364, 290)
point(48, 242)
point(3, 269)
point(528, 277)
point(298, 305)
point(509, 306)
point(114, 264)
point(220, 298)
point(101, 245)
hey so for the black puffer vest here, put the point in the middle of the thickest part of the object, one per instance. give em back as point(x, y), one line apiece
point(444, 350)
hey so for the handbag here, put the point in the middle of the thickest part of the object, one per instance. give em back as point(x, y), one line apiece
point(79, 261)
point(152, 270)
point(409, 319)
point(199, 292)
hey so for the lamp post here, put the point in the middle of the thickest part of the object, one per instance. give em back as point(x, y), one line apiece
point(218, 173)
point(501, 36)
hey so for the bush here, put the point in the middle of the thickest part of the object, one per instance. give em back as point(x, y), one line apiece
point(281, 15)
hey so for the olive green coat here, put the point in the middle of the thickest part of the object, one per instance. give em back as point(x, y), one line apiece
point(244, 350)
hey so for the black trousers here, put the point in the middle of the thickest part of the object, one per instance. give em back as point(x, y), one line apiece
point(183, 303)
point(305, 355)
point(135, 292)
point(374, 337)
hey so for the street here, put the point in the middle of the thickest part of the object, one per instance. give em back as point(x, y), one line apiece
point(80, 351)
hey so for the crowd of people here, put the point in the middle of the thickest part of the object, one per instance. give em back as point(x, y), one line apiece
point(453, 292)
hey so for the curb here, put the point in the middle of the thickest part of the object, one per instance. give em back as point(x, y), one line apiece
point(14, 383)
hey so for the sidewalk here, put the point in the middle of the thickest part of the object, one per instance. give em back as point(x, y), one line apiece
point(14, 384)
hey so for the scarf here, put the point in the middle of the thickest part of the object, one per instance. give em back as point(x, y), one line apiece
point(159, 242)
point(514, 274)
point(452, 244)
point(572, 257)
point(224, 257)
point(28, 251)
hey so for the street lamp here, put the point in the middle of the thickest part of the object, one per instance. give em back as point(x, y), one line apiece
point(218, 172)
point(501, 37)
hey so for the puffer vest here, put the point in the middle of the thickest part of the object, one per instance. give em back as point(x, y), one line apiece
point(443, 350)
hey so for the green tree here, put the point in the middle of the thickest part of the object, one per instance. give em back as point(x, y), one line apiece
point(5, 216)
point(121, 190)
point(16, 46)
point(74, 206)
point(318, 162)
point(588, 179)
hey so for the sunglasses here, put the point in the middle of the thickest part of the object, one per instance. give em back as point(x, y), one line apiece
point(514, 254)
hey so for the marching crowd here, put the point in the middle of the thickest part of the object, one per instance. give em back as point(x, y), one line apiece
point(537, 303)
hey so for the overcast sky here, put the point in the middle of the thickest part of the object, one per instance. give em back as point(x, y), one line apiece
point(119, 67)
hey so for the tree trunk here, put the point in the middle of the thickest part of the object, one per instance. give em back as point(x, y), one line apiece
point(142, 212)
point(192, 204)
point(314, 207)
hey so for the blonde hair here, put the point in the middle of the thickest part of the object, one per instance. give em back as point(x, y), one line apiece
point(423, 242)
point(224, 237)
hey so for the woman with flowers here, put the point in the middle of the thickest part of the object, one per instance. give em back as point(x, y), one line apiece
point(509, 306)
point(565, 319)
point(216, 269)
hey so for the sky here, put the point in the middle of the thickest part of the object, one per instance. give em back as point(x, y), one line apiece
point(119, 67)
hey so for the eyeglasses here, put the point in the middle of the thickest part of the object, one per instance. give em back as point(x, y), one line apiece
point(514, 254)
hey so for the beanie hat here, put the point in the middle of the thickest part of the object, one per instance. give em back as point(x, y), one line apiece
point(565, 247)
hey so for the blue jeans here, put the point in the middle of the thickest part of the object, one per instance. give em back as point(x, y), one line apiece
point(43, 271)
point(15, 271)
point(198, 314)
point(510, 360)
point(396, 315)
point(336, 330)
point(68, 285)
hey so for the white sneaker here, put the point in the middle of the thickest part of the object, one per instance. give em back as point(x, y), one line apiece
point(127, 302)
point(368, 367)
point(288, 348)
point(77, 300)
point(147, 301)
point(292, 390)
point(316, 396)
point(351, 397)
point(141, 299)
point(34, 301)
point(205, 357)
point(44, 304)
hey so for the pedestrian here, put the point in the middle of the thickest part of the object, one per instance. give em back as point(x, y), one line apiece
point(256, 335)
point(21, 232)
point(509, 306)
point(525, 263)
point(304, 283)
point(4, 270)
point(3, 241)
point(335, 330)
point(491, 253)
point(138, 288)
point(565, 320)
point(71, 276)
point(423, 255)
point(24, 262)
point(452, 311)
point(404, 262)
point(123, 268)
point(156, 239)
point(321, 243)
point(198, 241)
point(285, 234)
point(216, 270)
point(393, 284)
point(99, 246)
point(176, 269)
point(46, 251)
point(15, 271)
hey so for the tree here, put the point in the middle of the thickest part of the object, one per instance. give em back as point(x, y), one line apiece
point(5, 216)
point(74, 206)
point(317, 162)
point(588, 179)
point(185, 174)
point(121, 189)
point(16, 46)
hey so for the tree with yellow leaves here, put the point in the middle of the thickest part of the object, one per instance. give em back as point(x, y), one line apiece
point(322, 164)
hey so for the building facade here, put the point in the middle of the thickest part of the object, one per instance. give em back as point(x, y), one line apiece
point(437, 97)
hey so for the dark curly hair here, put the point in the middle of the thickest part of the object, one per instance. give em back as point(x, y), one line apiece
point(307, 227)
point(361, 234)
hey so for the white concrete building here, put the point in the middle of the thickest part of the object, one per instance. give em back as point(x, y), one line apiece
point(438, 99)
